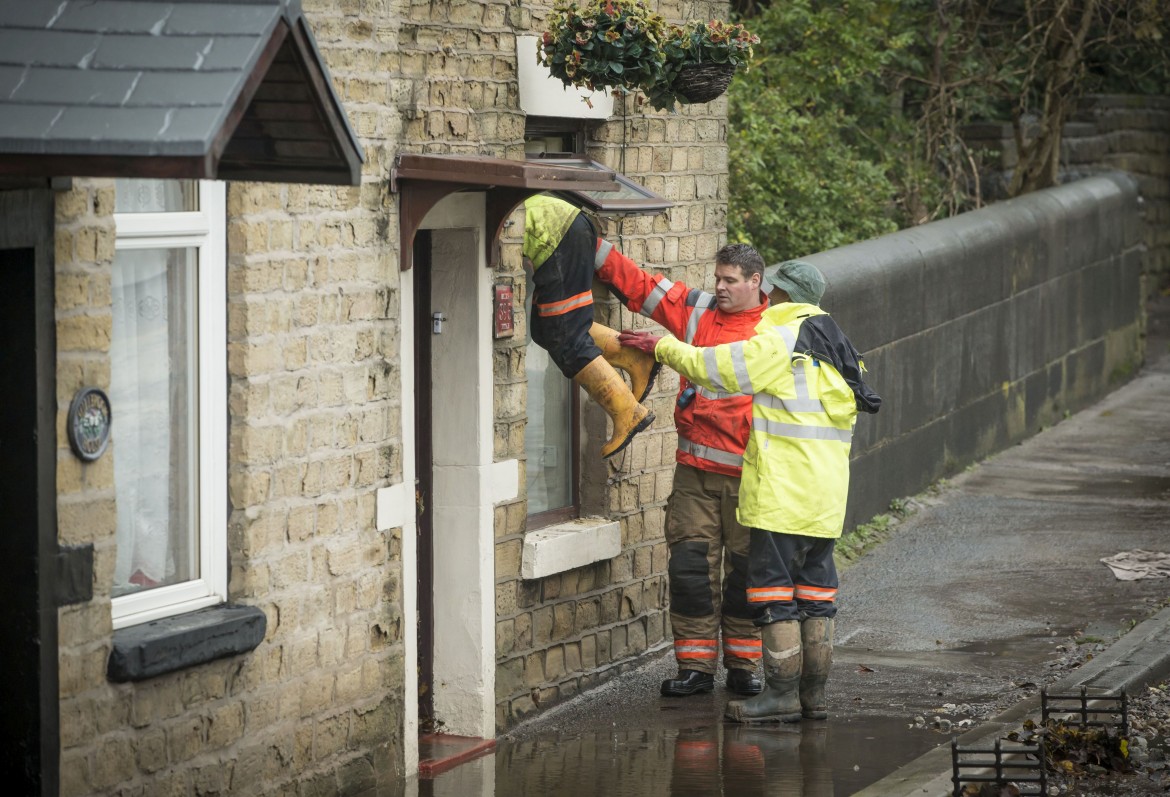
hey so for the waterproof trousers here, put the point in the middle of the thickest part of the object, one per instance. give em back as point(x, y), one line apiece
point(791, 576)
point(562, 300)
point(708, 573)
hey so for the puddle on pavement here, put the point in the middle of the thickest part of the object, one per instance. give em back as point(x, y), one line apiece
point(1134, 486)
point(810, 759)
point(1055, 484)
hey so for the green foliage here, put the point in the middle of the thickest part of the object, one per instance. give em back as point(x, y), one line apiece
point(1142, 66)
point(857, 541)
point(814, 149)
point(713, 42)
point(695, 43)
point(622, 45)
point(604, 44)
point(851, 121)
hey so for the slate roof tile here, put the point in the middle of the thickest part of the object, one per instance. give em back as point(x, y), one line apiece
point(46, 48)
point(28, 123)
point(27, 14)
point(230, 52)
point(122, 51)
point(10, 79)
point(114, 16)
point(185, 88)
point(212, 18)
point(75, 86)
point(106, 132)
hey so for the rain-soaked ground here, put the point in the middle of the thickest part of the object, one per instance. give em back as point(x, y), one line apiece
point(991, 588)
point(626, 741)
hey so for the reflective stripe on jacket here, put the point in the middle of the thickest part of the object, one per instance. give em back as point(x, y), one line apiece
point(713, 428)
point(796, 465)
point(546, 220)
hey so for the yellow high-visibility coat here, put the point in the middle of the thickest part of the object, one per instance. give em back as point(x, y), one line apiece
point(796, 466)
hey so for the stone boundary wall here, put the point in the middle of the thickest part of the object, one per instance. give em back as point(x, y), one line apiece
point(1107, 132)
point(980, 330)
point(1131, 133)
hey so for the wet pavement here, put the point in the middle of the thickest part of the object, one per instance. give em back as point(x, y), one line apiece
point(989, 589)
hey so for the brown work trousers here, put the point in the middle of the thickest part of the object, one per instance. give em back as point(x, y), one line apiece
point(708, 573)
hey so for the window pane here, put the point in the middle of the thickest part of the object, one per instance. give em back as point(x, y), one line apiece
point(134, 195)
point(153, 403)
point(548, 439)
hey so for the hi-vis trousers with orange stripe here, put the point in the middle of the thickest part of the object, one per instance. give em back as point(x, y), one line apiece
point(562, 300)
point(708, 573)
point(791, 576)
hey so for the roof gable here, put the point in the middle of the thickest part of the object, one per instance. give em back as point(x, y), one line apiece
point(182, 88)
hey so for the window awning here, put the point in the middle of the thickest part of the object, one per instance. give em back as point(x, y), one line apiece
point(630, 198)
point(169, 89)
point(423, 180)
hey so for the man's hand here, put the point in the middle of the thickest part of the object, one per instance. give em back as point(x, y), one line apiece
point(642, 341)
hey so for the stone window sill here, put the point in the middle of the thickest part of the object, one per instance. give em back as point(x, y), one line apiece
point(176, 643)
point(565, 546)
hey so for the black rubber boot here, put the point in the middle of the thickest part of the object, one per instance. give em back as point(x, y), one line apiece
point(744, 682)
point(780, 701)
point(688, 682)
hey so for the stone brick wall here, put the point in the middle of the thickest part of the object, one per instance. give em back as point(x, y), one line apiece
point(314, 429)
point(314, 297)
point(312, 347)
point(562, 634)
point(1131, 133)
point(96, 747)
point(1107, 132)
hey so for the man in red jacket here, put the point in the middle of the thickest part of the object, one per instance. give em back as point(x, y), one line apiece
point(708, 546)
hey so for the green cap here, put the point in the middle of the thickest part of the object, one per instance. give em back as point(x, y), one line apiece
point(803, 282)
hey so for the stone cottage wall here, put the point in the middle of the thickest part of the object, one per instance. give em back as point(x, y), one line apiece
point(314, 298)
point(559, 635)
point(96, 749)
point(314, 430)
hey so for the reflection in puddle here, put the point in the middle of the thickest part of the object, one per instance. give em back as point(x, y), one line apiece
point(810, 759)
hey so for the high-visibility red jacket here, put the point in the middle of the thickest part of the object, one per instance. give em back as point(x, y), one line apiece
point(713, 429)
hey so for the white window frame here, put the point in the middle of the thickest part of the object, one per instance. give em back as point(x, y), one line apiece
point(206, 231)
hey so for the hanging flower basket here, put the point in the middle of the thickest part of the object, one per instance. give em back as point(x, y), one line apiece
point(703, 82)
point(604, 44)
point(623, 46)
point(701, 59)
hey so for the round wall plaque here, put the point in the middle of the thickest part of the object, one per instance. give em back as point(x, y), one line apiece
point(88, 423)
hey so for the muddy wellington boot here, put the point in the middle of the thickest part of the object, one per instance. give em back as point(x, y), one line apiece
point(605, 386)
point(780, 700)
point(816, 637)
point(641, 367)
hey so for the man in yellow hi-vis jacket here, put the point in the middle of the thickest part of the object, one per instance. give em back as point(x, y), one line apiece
point(561, 244)
point(806, 383)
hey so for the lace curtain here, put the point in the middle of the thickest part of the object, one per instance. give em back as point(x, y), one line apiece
point(152, 383)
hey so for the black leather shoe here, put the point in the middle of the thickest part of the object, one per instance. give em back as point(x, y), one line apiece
point(744, 682)
point(688, 682)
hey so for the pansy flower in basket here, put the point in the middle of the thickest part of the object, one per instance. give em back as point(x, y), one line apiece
point(604, 44)
point(701, 59)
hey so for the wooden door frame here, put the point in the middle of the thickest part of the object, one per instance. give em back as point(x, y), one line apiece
point(424, 480)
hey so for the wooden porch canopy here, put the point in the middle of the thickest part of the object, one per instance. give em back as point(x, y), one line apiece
point(423, 180)
point(191, 89)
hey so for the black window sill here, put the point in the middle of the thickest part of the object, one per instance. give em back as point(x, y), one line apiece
point(176, 643)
